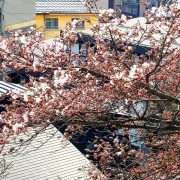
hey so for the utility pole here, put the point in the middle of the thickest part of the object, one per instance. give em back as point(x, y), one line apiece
point(1, 16)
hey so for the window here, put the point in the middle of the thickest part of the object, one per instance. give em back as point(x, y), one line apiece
point(125, 9)
point(51, 23)
point(75, 48)
point(134, 11)
point(80, 24)
point(111, 4)
point(83, 50)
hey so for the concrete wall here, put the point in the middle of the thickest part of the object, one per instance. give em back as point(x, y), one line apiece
point(117, 7)
point(117, 2)
point(102, 4)
point(142, 9)
point(17, 11)
point(1, 3)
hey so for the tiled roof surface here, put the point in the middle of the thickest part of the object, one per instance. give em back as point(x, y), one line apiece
point(60, 6)
point(48, 157)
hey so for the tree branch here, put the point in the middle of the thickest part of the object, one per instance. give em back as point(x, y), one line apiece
point(162, 95)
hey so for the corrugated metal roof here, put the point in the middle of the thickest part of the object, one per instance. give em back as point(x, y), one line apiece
point(48, 157)
point(60, 6)
point(26, 24)
point(8, 87)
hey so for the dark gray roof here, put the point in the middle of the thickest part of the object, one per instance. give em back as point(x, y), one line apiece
point(60, 6)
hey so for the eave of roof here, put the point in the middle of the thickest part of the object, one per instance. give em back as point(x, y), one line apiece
point(63, 13)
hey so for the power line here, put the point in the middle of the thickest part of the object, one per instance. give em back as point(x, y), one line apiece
point(17, 13)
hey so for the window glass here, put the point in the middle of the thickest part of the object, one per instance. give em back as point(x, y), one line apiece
point(135, 11)
point(111, 4)
point(51, 23)
point(75, 48)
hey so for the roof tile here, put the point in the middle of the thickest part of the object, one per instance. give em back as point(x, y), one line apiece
point(60, 6)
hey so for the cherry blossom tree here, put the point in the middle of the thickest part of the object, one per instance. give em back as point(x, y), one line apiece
point(104, 90)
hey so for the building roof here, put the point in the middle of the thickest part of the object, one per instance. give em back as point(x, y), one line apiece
point(48, 156)
point(60, 6)
point(145, 43)
point(9, 87)
point(21, 25)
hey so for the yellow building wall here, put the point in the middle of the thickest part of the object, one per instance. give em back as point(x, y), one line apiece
point(63, 19)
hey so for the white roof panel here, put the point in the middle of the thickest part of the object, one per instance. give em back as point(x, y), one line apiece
point(8, 87)
point(48, 157)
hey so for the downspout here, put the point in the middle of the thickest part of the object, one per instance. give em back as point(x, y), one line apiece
point(44, 30)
